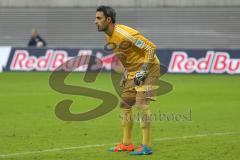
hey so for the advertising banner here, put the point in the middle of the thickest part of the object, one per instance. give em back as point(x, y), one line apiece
point(212, 61)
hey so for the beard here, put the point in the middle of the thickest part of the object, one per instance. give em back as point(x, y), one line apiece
point(103, 29)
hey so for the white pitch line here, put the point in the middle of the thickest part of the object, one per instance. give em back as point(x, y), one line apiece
point(197, 135)
point(101, 145)
point(54, 150)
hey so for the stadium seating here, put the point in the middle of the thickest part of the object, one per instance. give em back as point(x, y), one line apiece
point(167, 27)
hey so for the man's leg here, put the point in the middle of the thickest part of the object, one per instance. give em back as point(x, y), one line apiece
point(145, 120)
point(145, 94)
point(127, 101)
point(127, 119)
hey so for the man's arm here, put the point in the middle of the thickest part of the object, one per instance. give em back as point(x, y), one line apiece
point(42, 40)
point(32, 42)
point(150, 50)
point(145, 46)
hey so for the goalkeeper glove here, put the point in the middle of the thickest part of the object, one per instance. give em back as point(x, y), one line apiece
point(140, 76)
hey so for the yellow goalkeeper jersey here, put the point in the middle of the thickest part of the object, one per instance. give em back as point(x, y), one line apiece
point(133, 50)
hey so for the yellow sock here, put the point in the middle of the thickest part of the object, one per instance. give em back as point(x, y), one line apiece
point(145, 122)
point(127, 124)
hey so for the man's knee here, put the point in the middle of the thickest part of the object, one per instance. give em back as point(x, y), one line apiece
point(144, 116)
point(142, 105)
point(142, 102)
point(127, 102)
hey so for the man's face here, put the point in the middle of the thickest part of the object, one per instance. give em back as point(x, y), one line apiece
point(101, 21)
point(34, 34)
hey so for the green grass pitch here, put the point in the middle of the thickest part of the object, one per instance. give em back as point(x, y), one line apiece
point(29, 129)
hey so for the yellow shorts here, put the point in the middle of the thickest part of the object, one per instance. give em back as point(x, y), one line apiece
point(148, 90)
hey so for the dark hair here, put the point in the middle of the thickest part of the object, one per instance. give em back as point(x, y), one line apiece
point(108, 12)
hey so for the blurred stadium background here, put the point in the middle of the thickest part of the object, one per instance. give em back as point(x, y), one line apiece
point(29, 128)
point(170, 24)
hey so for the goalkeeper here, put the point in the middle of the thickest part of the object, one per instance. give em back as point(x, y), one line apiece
point(142, 70)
